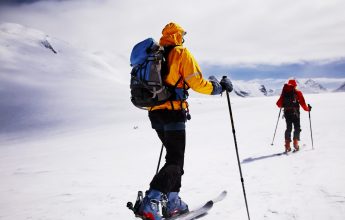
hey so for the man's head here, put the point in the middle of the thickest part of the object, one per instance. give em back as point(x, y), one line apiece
point(172, 34)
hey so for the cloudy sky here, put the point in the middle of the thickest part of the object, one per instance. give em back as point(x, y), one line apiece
point(219, 32)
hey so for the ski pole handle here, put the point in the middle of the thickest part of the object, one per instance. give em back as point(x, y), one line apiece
point(309, 106)
point(226, 84)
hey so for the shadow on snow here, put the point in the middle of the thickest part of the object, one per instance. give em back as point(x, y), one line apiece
point(252, 159)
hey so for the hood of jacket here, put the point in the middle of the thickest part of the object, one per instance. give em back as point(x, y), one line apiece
point(172, 34)
point(292, 82)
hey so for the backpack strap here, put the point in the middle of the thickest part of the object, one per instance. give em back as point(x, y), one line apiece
point(179, 94)
point(166, 53)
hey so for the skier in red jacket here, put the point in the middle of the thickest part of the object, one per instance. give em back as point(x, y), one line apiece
point(290, 100)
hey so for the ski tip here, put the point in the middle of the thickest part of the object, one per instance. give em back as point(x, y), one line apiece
point(223, 193)
point(221, 196)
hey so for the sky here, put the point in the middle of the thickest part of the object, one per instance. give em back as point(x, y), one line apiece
point(229, 32)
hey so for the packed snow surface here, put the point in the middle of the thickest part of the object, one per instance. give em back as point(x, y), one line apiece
point(92, 173)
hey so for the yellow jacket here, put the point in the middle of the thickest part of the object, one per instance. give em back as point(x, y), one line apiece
point(181, 63)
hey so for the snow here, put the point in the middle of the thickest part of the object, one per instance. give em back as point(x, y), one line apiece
point(42, 89)
point(72, 146)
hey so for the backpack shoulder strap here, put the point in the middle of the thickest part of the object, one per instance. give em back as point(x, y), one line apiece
point(167, 50)
point(295, 96)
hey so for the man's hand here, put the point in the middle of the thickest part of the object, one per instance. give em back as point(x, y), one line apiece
point(226, 84)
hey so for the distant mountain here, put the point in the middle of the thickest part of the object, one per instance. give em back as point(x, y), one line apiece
point(263, 90)
point(241, 93)
point(255, 89)
point(341, 88)
point(311, 86)
point(250, 89)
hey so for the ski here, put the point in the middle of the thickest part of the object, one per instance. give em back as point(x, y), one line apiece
point(200, 212)
point(281, 153)
point(193, 214)
point(288, 153)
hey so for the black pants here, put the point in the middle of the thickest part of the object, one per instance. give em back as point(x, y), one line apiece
point(292, 118)
point(170, 127)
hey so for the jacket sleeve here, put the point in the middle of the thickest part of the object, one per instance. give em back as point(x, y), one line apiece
point(302, 101)
point(192, 75)
point(280, 102)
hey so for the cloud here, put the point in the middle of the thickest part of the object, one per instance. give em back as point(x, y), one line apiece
point(19, 2)
point(219, 32)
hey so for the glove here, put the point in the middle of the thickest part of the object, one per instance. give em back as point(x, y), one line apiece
point(226, 84)
point(217, 88)
point(309, 107)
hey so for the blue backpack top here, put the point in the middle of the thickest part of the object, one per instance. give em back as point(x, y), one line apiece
point(141, 51)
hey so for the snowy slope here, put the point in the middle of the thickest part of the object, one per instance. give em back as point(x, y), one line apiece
point(91, 150)
point(45, 82)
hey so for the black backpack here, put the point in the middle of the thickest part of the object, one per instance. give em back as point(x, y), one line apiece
point(149, 68)
point(290, 100)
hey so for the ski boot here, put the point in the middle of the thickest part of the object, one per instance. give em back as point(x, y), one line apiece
point(173, 205)
point(287, 146)
point(149, 208)
point(295, 145)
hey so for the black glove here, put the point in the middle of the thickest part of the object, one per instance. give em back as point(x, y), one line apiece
point(226, 84)
point(309, 107)
point(217, 88)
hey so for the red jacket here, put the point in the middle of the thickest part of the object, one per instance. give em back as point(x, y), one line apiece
point(299, 95)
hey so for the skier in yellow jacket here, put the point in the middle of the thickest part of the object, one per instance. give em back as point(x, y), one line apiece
point(169, 120)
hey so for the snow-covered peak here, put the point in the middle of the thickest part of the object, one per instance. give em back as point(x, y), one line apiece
point(250, 89)
point(341, 88)
point(315, 86)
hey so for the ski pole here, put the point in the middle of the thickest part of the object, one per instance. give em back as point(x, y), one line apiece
point(276, 126)
point(311, 131)
point(159, 160)
point(238, 158)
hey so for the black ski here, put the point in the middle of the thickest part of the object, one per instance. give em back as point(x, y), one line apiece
point(194, 213)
